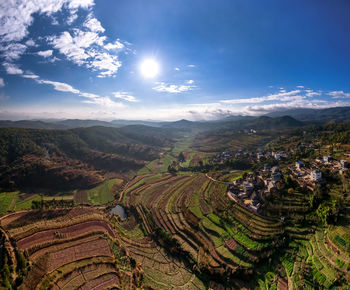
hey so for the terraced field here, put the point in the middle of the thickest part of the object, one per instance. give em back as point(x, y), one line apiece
point(317, 263)
point(194, 212)
point(70, 249)
point(181, 232)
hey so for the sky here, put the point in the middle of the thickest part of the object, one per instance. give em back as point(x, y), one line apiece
point(174, 59)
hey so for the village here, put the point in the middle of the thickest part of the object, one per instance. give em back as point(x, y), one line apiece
point(250, 190)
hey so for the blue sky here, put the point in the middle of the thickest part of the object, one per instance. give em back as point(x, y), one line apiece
point(82, 58)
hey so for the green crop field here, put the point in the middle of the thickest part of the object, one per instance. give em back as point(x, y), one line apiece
point(102, 193)
point(12, 201)
point(27, 203)
point(7, 201)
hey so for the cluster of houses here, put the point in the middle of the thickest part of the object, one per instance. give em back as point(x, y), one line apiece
point(251, 156)
point(332, 164)
point(311, 176)
point(248, 191)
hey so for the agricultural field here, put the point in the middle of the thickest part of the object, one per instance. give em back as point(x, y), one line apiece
point(180, 231)
point(100, 194)
point(184, 146)
point(68, 249)
point(192, 215)
point(12, 201)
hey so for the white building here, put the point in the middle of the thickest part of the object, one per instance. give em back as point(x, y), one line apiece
point(316, 175)
point(248, 187)
point(344, 163)
point(271, 186)
point(278, 156)
point(326, 158)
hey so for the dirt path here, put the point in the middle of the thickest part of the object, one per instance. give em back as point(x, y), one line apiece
point(215, 180)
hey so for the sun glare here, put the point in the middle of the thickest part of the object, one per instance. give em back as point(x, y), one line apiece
point(149, 68)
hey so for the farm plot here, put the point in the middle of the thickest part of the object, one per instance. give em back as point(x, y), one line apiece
point(11, 201)
point(195, 213)
point(102, 282)
point(81, 197)
point(315, 265)
point(160, 270)
point(102, 193)
point(176, 209)
point(7, 201)
point(70, 232)
point(69, 249)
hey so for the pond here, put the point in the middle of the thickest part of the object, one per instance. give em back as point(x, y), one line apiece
point(119, 210)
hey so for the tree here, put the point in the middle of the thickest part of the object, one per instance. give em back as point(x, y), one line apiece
point(171, 169)
point(323, 212)
point(181, 157)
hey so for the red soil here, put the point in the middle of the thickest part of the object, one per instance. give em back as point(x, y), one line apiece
point(49, 236)
point(89, 249)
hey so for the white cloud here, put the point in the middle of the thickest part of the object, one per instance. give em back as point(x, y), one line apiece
point(75, 4)
point(70, 47)
point(12, 51)
point(16, 16)
point(311, 93)
point(190, 82)
point(107, 109)
point(177, 69)
point(45, 53)
point(87, 48)
point(58, 86)
point(30, 42)
point(104, 102)
point(89, 97)
point(72, 17)
point(106, 63)
point(2, 83)
point(191, 65)
point(300, 87)
point(12, 69)
point(93, 24)
point(116, 45)
point(125, 96)
point(317, 104)
point(54, 21)
point(339, 94)
point(171, 88)
point(282, 96)
point(30, 76)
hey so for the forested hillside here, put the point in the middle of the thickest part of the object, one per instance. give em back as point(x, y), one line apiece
point(73, 158)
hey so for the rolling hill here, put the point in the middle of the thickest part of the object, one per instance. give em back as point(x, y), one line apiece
point(337, 114)
point(73, 158)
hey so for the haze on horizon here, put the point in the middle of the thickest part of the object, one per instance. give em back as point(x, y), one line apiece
point(167, 60)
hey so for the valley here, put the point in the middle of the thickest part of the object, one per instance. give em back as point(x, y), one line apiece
point(202, 208)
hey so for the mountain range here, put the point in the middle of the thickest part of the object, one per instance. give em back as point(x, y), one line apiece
point(301, 117)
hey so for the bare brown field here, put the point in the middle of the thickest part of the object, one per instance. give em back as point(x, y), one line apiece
point(70, 249)
point(80, 197)
point(98, 247)
point(64, 233)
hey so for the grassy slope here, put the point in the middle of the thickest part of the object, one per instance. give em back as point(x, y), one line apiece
point(102, 193)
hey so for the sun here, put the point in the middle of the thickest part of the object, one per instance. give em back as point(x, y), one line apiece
point(149, 68)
